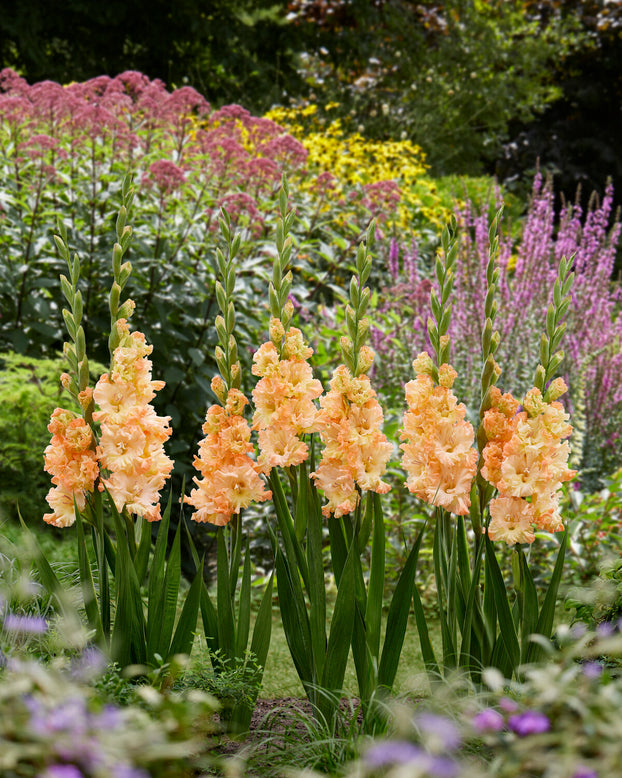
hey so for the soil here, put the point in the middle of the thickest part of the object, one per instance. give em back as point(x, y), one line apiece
point(274, 717)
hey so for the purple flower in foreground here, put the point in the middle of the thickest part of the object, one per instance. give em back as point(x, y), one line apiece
point(401, 752)
point(34, 625)
point(605, 629)
point(126, 771)
point(592, 669)
point(89, 665)
point(440, 729)
point(488, 720)
point(508, 705)
point(531, 722)
point(392, 752)
point(61, 771)
point(584, 772)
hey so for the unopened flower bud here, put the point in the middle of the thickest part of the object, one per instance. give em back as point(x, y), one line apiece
point(497, 369)
point(444, 340)
point(423, 364)
point(127, 309)
point(288, 309)
point(219, 388)
point(446, 376)
point(85, 398)
point(65, 380)
point(276, 331)
point(366, 359)
point(346, 345)
point(555, 390)
point(363, 328)
point(236, 374)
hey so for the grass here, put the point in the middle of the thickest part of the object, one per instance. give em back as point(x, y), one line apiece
point(281, 680)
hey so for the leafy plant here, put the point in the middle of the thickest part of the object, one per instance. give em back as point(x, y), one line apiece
point(130, 470)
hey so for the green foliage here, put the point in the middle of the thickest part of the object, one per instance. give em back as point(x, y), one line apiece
point(450, 76)
point(291, 736)
point(602, 600)
point(29, 392)
point(234, 683)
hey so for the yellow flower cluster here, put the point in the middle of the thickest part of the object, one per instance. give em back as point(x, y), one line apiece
point(354, 161)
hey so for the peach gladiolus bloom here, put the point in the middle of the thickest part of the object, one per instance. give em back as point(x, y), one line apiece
point(131, 445)
point(356, 451)
point(438, 453)
point(283, 398)
point(526, 460)
point(71, 460)
point(231, 479)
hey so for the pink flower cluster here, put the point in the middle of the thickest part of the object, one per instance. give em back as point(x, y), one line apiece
point(527, 462)
point(438, 453)
point(231, 479)
point(131, 445)
point(283, 398)
point(356, 451)
point(71, 460)
point(171, 141)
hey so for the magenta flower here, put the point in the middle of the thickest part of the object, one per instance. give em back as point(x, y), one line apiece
point(488, 720)
point(530, 722)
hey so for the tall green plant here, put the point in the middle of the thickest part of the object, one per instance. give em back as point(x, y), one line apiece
point(515, 475)
point(230, 483)
point(107, 468)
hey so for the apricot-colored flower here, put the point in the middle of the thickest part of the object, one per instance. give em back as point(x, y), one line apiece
point(356, 451)
point(438, 453)
point(131, 446)
point(231, 479)
point(71, 460)
point(283, 398)
point(511, 520)
point(526, 460)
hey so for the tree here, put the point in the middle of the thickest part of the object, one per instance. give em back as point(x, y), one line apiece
point(229, 51)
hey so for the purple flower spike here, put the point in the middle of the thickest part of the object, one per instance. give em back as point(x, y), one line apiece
point(488, 720)
point(392, 752)
point(531, 722)
point(33, 625)
point(442, 729)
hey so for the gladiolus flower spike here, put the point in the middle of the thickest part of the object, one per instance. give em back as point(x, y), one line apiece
point(350, 420)
point(230, 475)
